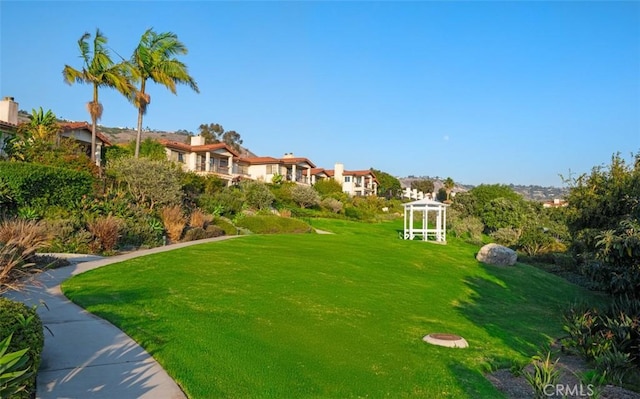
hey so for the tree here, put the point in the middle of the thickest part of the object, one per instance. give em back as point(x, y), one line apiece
point(154, 59)
point(232, 139)
point(38, 142)
point(305, 196)
point(325, 187)
point(388, 186)
point(424, 185)
point(211, 132)
point(98, 70)
point(448, 186)
point(151, 183)
point(215, 133)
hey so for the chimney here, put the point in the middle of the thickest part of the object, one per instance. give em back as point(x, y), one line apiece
point(9, 111)
point(288, 155)
point(197, 140)
point(338, 172)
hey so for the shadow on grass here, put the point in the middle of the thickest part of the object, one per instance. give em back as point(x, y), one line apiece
point(520, 306)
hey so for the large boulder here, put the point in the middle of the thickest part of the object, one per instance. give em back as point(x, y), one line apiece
point(494, 254)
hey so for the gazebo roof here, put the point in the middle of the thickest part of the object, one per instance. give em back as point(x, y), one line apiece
point(424, 203)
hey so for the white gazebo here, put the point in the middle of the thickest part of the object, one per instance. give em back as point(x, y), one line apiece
point(437, 233)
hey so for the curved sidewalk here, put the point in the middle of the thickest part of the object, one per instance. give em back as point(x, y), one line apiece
point(88, 357)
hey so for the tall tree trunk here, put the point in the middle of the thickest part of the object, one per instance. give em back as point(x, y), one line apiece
point(139, 133)
point(94, 123)
point(142, 106)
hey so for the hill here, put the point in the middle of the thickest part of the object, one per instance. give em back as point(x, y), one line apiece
point(530, 192)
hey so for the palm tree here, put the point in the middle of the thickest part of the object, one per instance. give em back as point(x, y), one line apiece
point(448, 186)
point(154, 59)
point(100, 71)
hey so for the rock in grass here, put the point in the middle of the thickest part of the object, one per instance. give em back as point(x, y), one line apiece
point(494, 254)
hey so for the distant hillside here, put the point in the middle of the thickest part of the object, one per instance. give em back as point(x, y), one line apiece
point(119, 135)
point(530, 192)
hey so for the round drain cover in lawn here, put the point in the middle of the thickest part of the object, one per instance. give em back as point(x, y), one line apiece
point(448, 340)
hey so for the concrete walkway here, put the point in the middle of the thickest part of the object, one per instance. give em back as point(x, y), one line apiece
point(88, 357)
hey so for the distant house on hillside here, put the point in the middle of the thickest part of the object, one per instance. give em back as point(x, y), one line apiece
point(356, 183)
point(555, 203)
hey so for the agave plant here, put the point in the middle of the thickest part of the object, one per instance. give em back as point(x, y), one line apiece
point(14, 369)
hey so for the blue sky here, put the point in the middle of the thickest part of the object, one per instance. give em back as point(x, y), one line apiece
point(483, 92)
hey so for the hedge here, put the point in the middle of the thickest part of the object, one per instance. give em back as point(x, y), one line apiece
point(267, 224)
point(14, 318)
point(35, 184)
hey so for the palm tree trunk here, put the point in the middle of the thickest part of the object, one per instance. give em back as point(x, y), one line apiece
point(141, 108)
point(139, 133)
point(94, 123)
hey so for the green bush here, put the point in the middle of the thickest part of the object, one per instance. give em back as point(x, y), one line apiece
point(327, 186)
point(610, 337)
point(282, 194)
point(269, 224)
point(26, 326)
point(227, 202)
point(34, 184)
point(257, 195)
point(194, 233)
point(305, 196)
point(225, 224)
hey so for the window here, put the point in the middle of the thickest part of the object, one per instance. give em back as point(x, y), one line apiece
point(275, 169)
point(180, 157)
point(347, 179)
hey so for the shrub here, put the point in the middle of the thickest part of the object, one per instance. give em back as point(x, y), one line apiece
point(105, 231)
point(469, 228)
point(545, 373)
point(28, 235)
point(225, 224)
point(506, 236)
point(257, 195)
point(271, 224)
point(142, 230)
point(610, 337)
point(327, 186)
point(282, 194)
point(227, 202)
point(305, 196)
point(534, 240)
point(33, 184)
point(68, 235)
point(25, 325)
point(151, 183)
point(213, 231)
point(194, 233)
point(13, 369)
point(199, 219)
point(174, 222)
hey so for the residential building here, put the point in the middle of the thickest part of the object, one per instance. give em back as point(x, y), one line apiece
point(290, 167)
point(356, 183)
point(81, 133)
point(215, 159)
point(8, 121)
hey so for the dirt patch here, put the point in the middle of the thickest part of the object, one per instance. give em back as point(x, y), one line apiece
point(571, 367)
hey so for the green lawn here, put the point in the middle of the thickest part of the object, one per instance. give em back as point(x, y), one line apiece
point(327, 316)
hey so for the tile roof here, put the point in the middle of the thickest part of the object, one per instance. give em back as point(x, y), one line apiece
point(271, 160)
point(197, 148)
point(68, 126)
